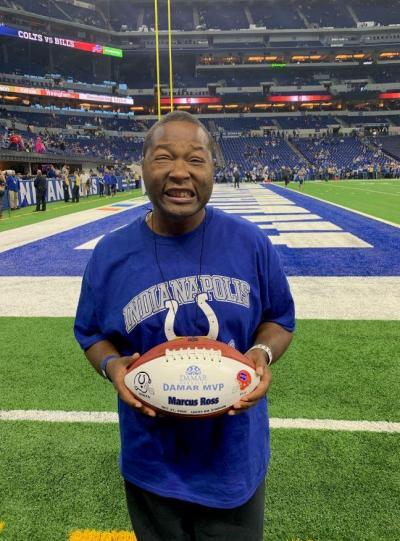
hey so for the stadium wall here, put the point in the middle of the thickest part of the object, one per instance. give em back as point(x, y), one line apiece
point(55, 192)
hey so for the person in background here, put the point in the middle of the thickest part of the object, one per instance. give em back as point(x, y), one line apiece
point(40, 184)
point(39, 146)
point(236, 177)
point(16, 142)
point(2, 191)
point(51, 173)
point(85, 181)
point(113, 182)
point(100, 181)
point(13, 187)
point(107, 181)
point(65, 182)
point(77, 186)
point(201, 479)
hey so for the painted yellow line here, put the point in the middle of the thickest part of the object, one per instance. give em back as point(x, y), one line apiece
point(94, 535)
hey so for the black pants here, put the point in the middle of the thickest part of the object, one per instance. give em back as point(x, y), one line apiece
point(155, 518)
point(40, 199)
point(75, 194)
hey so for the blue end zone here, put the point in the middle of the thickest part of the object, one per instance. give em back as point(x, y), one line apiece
point(57, 255)
point(383, 259)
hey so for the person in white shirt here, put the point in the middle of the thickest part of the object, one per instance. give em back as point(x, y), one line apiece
point(85, 178)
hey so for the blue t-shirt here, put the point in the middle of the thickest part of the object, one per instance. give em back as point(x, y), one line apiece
point(12, 183)
point(222, 280)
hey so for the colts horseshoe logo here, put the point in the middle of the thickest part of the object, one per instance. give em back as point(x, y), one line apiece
point(201, 301)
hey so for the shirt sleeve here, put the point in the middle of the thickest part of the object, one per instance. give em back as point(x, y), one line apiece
point(86, 327)
point(278, 301)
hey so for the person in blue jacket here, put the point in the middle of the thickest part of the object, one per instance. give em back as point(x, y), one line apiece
point(107, 182)
point(13, 187)
point(187, 269)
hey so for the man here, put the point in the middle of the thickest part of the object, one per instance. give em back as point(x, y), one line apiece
point(301, 174)
point(198, 479)
point(113, 182)
point(85, 178)
point(107, 182)
point(40, 184)
point(77, 186)
point(65, 182)
point(236, 177)
point(16, 142)
point(2, 191)
point(13, 186)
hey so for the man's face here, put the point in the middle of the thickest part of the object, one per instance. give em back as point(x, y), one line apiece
point(178, 170)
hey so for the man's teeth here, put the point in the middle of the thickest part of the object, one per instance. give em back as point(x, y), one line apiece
point(180, 193)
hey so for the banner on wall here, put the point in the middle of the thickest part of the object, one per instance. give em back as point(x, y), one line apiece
point(55, 192)
point(66, 94)
point(63, 42)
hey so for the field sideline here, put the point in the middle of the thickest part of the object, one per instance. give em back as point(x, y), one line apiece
point(380, 198)
point(61, 478)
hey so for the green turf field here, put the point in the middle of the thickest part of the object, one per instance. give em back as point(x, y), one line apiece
point(27, 216)
point(380, 198)
point(57, 476)
point(327, 372)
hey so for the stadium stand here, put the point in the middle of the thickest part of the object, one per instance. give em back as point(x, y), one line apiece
point(329, 13)
point(283, 99)
point(282, 15)
point(369, 10)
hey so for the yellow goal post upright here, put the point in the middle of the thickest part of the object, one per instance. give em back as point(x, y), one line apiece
point(157, 50)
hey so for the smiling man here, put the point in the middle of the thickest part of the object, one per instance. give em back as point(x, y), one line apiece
point(186, 269)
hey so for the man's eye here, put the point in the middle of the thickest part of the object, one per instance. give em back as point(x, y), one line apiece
point(196, 160)
point(162, 157)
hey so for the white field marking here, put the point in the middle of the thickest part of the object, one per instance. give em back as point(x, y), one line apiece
point(319, 240)
point(13, 238)
point(271, 209)
point(313, 240)
point(347, 208)
point(242, 209)
point(109, 417)
point(281, 218)
point(249, 203)
point(256, 204)
point(91, 244)
point(364, 190)
point(37, 296)
point(347, 297)
point(332, 424)
point(316, 297)
point(229, 198)
point(306, 226)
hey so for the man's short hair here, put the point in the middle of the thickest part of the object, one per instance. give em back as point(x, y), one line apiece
point(178, 116)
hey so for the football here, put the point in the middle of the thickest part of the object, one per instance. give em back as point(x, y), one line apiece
point(191, 377)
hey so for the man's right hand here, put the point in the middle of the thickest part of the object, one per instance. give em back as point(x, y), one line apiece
point(116, 371)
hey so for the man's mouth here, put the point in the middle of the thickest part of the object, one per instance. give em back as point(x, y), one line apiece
point(178, 193)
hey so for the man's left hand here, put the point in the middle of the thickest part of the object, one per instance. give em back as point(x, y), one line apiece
point(265, 373)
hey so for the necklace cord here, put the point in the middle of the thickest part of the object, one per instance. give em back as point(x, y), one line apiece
point(150, 214)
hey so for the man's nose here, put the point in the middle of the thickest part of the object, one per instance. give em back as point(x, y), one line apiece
point(179, 170)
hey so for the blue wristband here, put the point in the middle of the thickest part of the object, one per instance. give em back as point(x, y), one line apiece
point(104, 363)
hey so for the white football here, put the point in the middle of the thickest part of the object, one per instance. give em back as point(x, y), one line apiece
point(191, 377)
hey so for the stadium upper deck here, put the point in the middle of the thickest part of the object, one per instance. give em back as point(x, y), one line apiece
point(126, 15)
